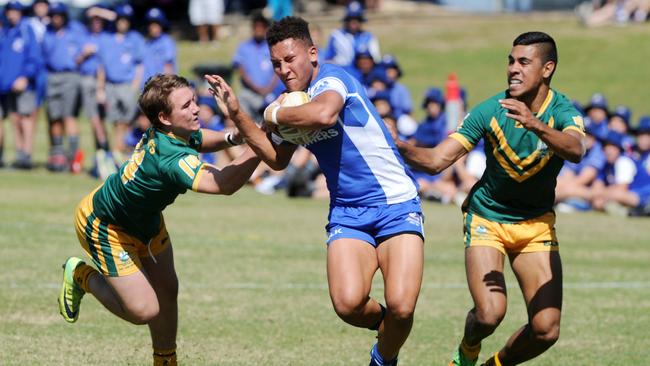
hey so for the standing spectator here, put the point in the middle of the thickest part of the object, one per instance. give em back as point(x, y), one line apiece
point(280, 8)
point(160, 49)
point(39, 23)
point(206, 15)
point(253, 61)
point(20, 59)
point(62, 45)
point(120, 73)
point(90, 100)
point(344, 43)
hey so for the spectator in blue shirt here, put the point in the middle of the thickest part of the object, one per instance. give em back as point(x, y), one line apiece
point(20, 59)
point(160, 49)
point(344, 43)
point(253, 61)
point(120, 74)
point(362, 67)
point(619, 121)
point(433, 128)
point(62, 45)
point(400, 96)
point(38, 22)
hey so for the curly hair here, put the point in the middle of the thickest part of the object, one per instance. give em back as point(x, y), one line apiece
point(289, 27)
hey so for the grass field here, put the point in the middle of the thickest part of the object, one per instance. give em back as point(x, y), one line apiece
point(252, 268)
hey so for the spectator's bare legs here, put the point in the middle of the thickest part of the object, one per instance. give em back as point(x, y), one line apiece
point(215, 32)
point(119, 146)
point(202, 31)
point(540, 278)
point(99, 131)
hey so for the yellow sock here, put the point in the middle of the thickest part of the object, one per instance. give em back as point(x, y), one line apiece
point(164, 357)
point(493, 361)
point(471, 352)
point(82, 274)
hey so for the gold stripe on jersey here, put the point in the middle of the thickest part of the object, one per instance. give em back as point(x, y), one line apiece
point(197, 179)
point(546, 103)
point(186, 168)
point(463, 140)
point(525, 174)
point(574, 128)
point(506, 149)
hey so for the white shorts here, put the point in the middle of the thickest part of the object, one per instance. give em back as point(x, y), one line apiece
point(206, 12)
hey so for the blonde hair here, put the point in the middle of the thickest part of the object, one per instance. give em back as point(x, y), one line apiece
point(155, 96)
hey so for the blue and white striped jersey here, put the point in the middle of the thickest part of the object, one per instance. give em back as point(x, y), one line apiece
point(357, 155)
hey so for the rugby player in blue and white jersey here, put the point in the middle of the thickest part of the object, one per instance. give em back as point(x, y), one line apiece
point(375, 219)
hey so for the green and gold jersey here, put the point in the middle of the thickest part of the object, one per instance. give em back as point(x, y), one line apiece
point(162, 167)
point(520, 176)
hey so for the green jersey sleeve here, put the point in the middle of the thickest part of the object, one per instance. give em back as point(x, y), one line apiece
point(568, 118)
point(472, 129)
point(183, 170)
point(196, 139)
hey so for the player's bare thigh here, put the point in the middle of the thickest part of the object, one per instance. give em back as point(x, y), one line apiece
point(351, 265)
point(401, 259)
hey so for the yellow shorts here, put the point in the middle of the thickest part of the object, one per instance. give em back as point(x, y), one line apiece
point(534, 235)
point(114, 252)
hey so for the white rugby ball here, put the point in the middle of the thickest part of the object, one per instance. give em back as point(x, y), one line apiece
point(295, 135)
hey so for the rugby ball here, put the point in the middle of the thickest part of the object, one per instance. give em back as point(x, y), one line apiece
point(295, 135)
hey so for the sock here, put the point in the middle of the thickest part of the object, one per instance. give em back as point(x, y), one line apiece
point(73, 145)
point(164, 357)
point(378, 359)
point(82, 275)
point(471, 352)
point(493, 361)
point(57, 145)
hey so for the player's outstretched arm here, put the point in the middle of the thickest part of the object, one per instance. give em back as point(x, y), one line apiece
point(219, 140)
point(320, 112)
point(277, 157)
point(432, 160)
point(229, 179)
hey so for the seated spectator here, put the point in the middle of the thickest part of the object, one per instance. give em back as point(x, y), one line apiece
point(575, 181)
point(613, 11)
point(362, 67)
point(433, 128)
point(346, 42)
point(400, 96)
point(597, 113)
point(619, 121)
point(636, 196)
point(615, 177)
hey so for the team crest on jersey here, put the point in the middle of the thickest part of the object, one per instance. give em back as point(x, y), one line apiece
point(542, 147)
point(18, 45)
point(124, 257)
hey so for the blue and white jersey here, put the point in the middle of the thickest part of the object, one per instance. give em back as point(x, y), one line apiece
point(343, 46)
point(641, 180)
point(357, 155)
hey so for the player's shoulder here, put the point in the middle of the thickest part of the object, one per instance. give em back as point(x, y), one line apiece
point(332, 77)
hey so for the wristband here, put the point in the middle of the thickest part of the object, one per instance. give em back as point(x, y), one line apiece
point(229, 140)
point(274, 114)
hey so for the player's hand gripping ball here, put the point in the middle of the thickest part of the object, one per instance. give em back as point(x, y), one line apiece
point(295, 135)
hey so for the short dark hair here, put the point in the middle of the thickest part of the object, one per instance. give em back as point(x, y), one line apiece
point(289, 27)
point(155, 96)
point(545, 43)
point(258, 17)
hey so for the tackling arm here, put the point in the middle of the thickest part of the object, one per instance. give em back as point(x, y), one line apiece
point(229, 179)
point(218, 140)
point(432, 160)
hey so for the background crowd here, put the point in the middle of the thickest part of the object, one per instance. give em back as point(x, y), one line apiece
point(98, 64)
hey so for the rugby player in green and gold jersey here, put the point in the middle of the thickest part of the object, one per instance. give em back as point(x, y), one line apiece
point(529, 130)
point(120, 224)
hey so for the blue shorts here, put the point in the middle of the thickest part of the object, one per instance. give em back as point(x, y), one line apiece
point(375, 224)
point(644, 195)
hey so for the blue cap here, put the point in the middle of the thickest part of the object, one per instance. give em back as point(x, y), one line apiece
point(14, 5)
point(613, 138)
point(389, 61)
point(624, 112)
point(597, 100)
point(380, 95)
point(354, 10)
point(644, 125)
point(378, 74)
point(363, 53)
point(155, 15)
point(58, 8)
point(433, 95)
point(124, 11)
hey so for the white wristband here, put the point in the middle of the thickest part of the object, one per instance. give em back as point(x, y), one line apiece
point(274, 114)
point(229, 139)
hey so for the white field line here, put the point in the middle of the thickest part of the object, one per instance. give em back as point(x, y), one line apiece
point(323, 286)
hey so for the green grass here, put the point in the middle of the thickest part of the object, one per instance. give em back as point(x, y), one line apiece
point(252, 268)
